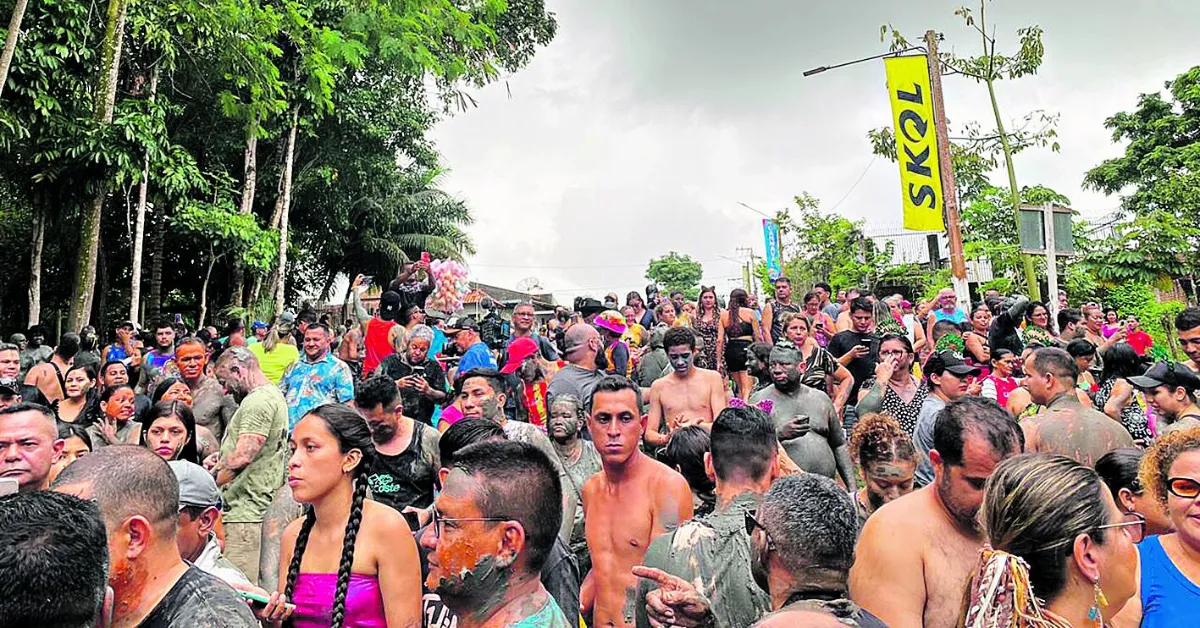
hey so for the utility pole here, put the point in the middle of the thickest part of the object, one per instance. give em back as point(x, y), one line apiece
point(1051, 261)
point(958, 262)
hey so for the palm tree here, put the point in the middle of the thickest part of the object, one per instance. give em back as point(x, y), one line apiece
point(385, 232)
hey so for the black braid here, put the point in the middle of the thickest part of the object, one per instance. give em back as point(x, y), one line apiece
point(352, 525)
point(298, 552)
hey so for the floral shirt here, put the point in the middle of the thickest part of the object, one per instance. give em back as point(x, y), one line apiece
point(307, 385)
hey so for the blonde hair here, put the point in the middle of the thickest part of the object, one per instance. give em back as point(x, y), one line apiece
point(1034, 508)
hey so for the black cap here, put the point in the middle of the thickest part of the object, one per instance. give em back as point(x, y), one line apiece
point(9, 386)
point(389, 305)
point(1170, 374)
point(461, 323)
point(943, 361)
point(588, 306)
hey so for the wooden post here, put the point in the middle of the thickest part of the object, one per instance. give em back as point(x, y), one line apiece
point(1051, 260)
point(958, 261)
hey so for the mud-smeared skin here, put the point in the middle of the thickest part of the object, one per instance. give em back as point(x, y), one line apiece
point(1067, 428)
point(282, 511)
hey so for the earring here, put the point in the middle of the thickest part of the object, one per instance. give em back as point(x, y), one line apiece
point(1095, 617)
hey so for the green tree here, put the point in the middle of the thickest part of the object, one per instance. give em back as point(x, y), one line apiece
point(990, 234)
point(674, 271)
point(1158, 180)
point(828, 247)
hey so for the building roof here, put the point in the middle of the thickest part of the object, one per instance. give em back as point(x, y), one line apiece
point(508, 298)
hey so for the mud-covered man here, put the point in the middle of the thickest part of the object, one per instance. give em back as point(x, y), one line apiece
point(807, 425)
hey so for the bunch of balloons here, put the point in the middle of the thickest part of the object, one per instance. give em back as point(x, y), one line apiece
point(450, 285)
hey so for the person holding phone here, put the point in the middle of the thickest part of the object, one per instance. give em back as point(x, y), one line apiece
point(857, 349)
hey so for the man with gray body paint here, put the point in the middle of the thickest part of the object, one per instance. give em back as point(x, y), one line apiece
point(714, 551)
point(688, 396)
point(807, 425)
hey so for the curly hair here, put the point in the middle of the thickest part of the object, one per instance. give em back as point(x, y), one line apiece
point(879, 438)
point(1156, 464)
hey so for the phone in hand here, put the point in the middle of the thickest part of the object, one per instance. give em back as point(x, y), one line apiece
point(260, 601)
point(424, 257)
point(9, 486)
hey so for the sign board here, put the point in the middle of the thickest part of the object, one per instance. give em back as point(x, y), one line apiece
point(916, 142)
point(771, 240)
point(1033, 230)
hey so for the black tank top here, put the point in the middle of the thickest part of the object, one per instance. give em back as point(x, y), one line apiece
point(777, 311)
point(405, 479)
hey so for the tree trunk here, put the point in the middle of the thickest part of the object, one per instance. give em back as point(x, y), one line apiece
point(327, 289)
point(154, 298)
point(212, 261)
point(250, 179)
point(103, 273)
point(281, 208)
point(10, 42)
point(139, 229)
point(106, 96)
point(35, 263)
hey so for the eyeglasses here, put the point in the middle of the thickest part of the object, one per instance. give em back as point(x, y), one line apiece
point(1186, 488)
point(438, 520)
point(1133, 523)
point(893, 354)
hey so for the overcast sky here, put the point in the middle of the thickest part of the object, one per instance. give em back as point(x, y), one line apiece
point(642, 125)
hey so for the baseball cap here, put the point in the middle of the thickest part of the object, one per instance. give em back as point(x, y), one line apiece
point(943, 361)
point(460, 323)
point(589, 306)
point(518, 351)
point(436, 314)
point(1168, 374)
point(9, 386)
point(196, 486)
point(389, 305)
point(258, 325)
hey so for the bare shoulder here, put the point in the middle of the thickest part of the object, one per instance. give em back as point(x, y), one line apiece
point(713, 377)
point(908, 514)
point(662, 476)
point(288, 540)
point(383, 522)
point(591, 485)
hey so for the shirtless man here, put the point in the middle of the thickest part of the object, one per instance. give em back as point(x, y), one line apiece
point(1066, 427)
point(688, 396)
point(914, 555)
point(630, 502)
point(805, 421)
point(49, 376)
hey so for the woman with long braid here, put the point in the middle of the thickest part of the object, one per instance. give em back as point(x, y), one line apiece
point(348, 562)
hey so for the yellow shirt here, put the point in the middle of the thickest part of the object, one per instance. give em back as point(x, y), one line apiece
point(273, 364)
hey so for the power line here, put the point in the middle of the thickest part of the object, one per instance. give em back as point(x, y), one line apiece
point(553, 267)
point(855, 186)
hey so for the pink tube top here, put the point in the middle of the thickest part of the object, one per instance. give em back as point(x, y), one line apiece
point(313, 597)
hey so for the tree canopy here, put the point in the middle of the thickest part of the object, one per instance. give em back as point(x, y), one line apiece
point(675, 271)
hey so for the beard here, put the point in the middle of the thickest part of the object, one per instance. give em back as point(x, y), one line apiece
point(382, 432)
point(965, 517)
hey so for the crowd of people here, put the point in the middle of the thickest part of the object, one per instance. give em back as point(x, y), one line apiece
point(842, 458)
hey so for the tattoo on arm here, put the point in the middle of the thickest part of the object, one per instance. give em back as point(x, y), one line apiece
point(248, 446)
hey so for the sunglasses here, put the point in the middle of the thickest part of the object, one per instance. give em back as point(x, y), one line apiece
point(752, 523)
point(1187, 488)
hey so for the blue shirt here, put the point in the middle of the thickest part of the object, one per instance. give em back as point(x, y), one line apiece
point(957, 317)
point(1169, 599)
point(438, 343)
point(477, 356)
point(307, 385)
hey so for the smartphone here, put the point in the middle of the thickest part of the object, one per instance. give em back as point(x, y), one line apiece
point(260, 601)
point(413, 519)
point(9, 486)
point(418, 370)
point(367, 279)
point(425, 257)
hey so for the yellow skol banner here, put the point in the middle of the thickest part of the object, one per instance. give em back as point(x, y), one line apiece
point(916, 142)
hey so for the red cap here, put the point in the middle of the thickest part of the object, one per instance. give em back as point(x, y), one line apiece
point(520, 349)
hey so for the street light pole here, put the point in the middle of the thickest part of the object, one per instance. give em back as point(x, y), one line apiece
point(958, 261)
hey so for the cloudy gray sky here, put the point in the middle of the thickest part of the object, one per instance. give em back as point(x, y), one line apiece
point(645, 122)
